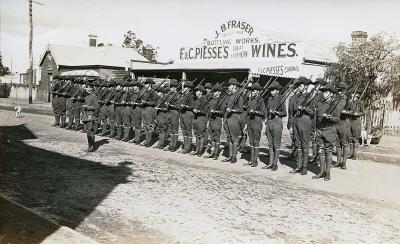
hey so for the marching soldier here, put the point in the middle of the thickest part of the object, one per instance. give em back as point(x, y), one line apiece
point(276, 110)
point(186, 115)
point(215, 115)
point(136, 115)
point(327, 118)
point(200, 119)
point(302, 114)
point(355, 112)
point(255, 117)
point(342, 128)
point(162, 116)
point(147, 103)
point(234, 107)
point(88, 116)
point(172, 103)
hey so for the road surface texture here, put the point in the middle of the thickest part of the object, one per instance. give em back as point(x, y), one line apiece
point(123, 193)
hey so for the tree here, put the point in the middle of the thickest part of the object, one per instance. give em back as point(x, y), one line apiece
point(3, 70)
point(132, 41)
point(374, 63)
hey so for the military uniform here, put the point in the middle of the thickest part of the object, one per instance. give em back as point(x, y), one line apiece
point(148, 101)
point(327, 118)
point(186, 117)
point(233, 109)
point(200, 119)
point(215, 114)
point(118, 98)
point(110, 108)
point(136, 115)
point(103, 107)
point(276, 110)
point(254, 120)
point(243, 120)
point(127, 111)
point(302, 114)
point(209, 93)
point(54, 102)
point(162, 116)
point(172, 103)
point(62, 102)
point(88, 117)
point(355, 112)
point(342, 128)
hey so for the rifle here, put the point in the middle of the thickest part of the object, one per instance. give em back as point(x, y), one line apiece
point(261, 95)
point(159, 85)
point(287, 90)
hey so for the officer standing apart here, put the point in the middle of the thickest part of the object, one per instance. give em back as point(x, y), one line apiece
point(88, 116)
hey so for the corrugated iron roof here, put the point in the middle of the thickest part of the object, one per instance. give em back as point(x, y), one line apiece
point(113, 56)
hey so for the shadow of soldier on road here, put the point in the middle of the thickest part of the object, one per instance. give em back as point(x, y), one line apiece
point(66, 189)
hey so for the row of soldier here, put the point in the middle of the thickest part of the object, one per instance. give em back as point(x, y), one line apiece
point(324, 117)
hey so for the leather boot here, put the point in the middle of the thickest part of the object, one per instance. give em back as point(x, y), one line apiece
point(345, 152)
point(328, 159)
point(251, 157)
point(234, 152)
point(137, 136)
point(175, 142)
point(70, 122)
point(211, 155)
point(146, 133)
point(351, 145)
point(112, 131)
point(184, 146)
point(271, 159)
point(216, 151)
point(189, 144)
point(171, 140)
point(355, 149)
point(96, 127)
point(229, 158)
point(63, 119)
point(77, 123)
point(201, 146)
point(299, 162)
point(197, 146)
point(56, 120)
point(339, 157)
point(276, 158)
point(242, 146)
point(305, 161)
point(323, 164)
point(119, 133)
point(127, 130)
point(103, 129)
point(256, 152)
point(150, 140)
point(315, 153)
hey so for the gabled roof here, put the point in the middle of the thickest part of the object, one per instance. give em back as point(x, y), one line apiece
point(111, 56)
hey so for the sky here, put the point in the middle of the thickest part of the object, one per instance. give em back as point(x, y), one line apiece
point(172, 24)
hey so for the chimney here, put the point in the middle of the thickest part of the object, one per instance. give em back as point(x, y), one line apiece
point(92, 40)
point(358, 36)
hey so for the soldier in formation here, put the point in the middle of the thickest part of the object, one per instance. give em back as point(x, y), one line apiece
point(326, 116)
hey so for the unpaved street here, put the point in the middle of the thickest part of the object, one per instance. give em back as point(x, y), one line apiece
point(124, 193)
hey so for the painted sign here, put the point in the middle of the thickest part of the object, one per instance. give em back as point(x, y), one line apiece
point(237, 41)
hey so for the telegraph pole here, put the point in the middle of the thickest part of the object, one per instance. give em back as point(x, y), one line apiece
point(30, 52)
point(30, 72)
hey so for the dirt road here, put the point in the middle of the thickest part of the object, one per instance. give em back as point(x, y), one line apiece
point(123, 193)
